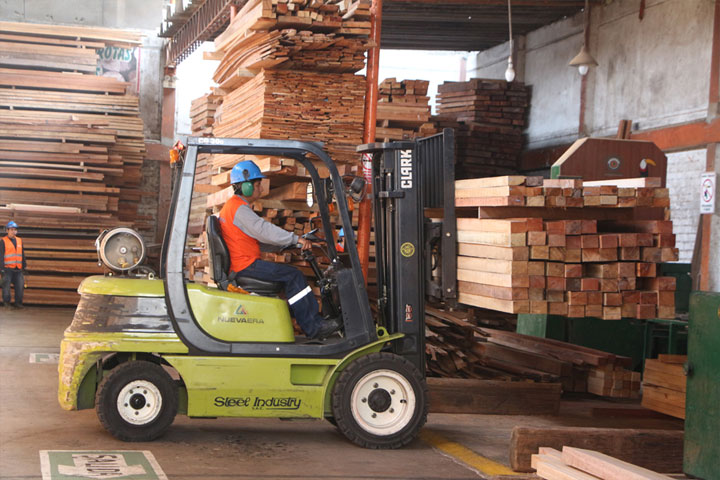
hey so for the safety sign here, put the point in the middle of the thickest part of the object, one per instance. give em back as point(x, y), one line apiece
point(707, 192)
point(81, 465)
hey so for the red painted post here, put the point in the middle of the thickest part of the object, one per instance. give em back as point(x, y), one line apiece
point(371, 95)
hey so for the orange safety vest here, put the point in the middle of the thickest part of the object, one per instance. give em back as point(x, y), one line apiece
point(243, 248)
point(13, 254)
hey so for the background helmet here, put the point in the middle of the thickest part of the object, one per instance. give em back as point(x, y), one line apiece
point(11, 224)
point(245, 171)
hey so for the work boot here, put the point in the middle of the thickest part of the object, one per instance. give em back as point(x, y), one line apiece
point(19, 306)
point(327, 329)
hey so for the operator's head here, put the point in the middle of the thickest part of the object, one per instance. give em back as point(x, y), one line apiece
point(245, 178)
point(11, 228)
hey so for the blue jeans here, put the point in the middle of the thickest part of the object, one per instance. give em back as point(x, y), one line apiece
point(14, 276)
point(302, 302)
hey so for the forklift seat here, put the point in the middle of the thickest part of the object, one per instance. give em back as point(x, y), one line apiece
point(220, 265)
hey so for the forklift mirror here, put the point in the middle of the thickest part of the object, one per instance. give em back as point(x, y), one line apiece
point(309, 198)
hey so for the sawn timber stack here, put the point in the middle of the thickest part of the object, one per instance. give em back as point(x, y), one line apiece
point(564, 247)
point(71, 150)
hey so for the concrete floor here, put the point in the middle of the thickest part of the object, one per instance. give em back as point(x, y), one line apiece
point(31, 420)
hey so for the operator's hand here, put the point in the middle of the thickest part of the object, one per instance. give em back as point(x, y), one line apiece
point(305, 243)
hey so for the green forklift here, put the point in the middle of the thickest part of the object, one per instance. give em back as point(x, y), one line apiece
point(143, 347)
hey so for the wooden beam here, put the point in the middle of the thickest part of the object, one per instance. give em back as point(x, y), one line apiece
point(493, 397)
point(660, 450)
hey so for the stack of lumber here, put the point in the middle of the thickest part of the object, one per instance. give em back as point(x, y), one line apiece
point(403, 111)
point(457, 347)
point(71, 151)
point(581, 464)
point(663, 386)
point(202, 113)
point(562, 247)
point(307, 35)
point(295, 105)
point(660, 450)
point(489, 117)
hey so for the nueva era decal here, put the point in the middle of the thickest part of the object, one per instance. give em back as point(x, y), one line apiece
point(257, 403)
point(239, 317)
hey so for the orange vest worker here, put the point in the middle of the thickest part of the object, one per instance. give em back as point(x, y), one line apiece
point(244, 249)
point(13, 254)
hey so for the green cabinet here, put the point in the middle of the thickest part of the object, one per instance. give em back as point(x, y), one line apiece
point(702, 415)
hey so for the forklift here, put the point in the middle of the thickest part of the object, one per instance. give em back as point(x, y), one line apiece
point(142, 348)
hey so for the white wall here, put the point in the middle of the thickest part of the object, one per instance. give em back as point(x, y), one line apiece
point(683, 180)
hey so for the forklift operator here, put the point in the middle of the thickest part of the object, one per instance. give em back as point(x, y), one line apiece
point(245, 234)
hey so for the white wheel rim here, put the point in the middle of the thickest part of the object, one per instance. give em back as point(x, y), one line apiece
point(397, 402)
point(139, 402)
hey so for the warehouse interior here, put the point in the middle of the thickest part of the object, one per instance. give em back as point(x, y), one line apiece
point(519, 236)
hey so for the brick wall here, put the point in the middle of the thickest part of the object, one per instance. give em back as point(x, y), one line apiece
point(683, 180)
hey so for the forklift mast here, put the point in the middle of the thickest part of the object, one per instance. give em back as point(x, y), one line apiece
point(414, 256)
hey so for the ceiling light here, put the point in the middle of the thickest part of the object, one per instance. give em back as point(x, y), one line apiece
point(510, 71)
point(584, 60)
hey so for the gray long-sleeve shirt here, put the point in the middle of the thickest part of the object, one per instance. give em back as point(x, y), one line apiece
point(271, 237)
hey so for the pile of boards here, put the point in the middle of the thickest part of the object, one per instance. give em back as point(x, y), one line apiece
point(565, 247)
point(579, 463)
point(664, 384)
point(456, 346)
point(489, 117)
point(403, 110)
point(71, 150)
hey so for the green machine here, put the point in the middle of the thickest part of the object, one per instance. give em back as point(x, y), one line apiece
point(141, 349)
point(702, 411)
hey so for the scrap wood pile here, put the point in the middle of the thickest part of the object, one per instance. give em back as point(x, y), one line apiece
point(403, 110)
point(579, 463)
point(565, 247)
point(456, 346)
point(664, 383)
point(71, 150)
point(489, 117)
point(287, 71)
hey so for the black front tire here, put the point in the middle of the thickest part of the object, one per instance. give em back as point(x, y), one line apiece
point(137, 401)
point(380, 401)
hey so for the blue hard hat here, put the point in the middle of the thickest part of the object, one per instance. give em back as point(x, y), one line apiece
point(245, 171)
point(11, 224)
point(341, 233)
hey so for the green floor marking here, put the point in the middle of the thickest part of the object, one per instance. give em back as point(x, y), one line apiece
point(84, 464)
point(45, 358)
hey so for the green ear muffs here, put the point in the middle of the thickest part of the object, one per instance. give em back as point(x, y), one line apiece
point(247, 188)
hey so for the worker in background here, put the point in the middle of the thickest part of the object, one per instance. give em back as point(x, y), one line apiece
point(13, 266)
point(245, 234)
point(340, 246)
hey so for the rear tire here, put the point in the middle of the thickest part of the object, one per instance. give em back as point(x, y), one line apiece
point(137, 401)
point(380, 401)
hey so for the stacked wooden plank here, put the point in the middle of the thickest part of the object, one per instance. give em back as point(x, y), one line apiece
point(664, 384)
point(458, 347)
point(582, 464)
point(403, 111)
point(71, 150)
point(545, 248)
point(202, 113)
point(489, 117)
point(298, 105)
point(307, 35)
